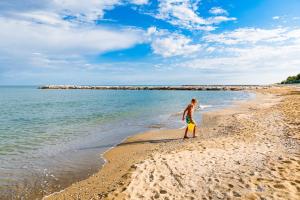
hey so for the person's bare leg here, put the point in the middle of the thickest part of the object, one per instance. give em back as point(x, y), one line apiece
point(185, 133)
point(194, 132)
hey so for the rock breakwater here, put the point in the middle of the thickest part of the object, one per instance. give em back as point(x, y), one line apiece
point(182, 87)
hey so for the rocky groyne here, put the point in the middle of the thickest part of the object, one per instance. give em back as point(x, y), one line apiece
point(182, 87)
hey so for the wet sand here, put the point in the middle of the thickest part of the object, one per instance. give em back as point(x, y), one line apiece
point(249, 151)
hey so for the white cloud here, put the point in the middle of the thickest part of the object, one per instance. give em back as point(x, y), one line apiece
point(218, 11)
point(39, 17)
point(184, 13)
point(92, 9)
point(249, 35)
point(220, 19)
point(139, 2)
point(171, 44)
point(86, 11)
point(276, 17)
point(89, 10)
point(253, 58)
point(35, 33)
point(252, 51)
point(27, 42)
point(66, 38)
point(180, 12)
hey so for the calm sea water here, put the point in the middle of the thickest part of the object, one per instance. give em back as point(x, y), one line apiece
point(47, 135)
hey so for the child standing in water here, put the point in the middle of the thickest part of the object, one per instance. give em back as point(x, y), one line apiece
point(189, 111)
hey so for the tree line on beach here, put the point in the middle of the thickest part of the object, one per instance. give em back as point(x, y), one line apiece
point(292, 80)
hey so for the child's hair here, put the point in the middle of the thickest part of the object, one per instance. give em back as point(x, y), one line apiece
point(194, 100)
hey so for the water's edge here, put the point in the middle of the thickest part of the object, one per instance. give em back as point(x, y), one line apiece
point(44, 184)
point(234, 103)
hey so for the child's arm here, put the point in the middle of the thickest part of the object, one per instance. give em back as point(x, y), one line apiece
point(184, 113)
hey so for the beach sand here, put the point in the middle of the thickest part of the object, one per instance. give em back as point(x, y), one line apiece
point(248, 151)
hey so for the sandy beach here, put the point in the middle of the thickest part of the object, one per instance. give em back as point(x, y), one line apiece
point(248, 151)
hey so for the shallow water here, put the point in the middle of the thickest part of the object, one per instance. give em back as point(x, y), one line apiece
point(48, 135)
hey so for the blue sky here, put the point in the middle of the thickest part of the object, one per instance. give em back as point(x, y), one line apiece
point(148, 42)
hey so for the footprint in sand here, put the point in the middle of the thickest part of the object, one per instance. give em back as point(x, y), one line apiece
point(236, 194)
point(151, 177)
point(279, 186)
point(163, 191)
point(156, 196)
point(161, 178)
point(287, 162)
point(241, 181)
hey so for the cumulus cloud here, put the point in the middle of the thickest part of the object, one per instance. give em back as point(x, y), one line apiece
point(38, 17)
point(220, 19)
point(249, 35)
point(184, 13)
point(180, 12)
point(276, 17)
point(60, 33)
point(218, 11)
point(140, 2)
point(35, 33)
point(66, 38)
point(30, 42)
point(171, 44)
point(259, 57)
point(85, 11)
point(252, 50)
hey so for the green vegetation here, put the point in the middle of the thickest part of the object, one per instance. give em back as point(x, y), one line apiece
point(292, 79)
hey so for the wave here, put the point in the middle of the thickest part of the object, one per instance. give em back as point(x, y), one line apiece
point(199, 108)
point(203, 107)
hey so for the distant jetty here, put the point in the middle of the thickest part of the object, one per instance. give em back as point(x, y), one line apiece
point(182, 87)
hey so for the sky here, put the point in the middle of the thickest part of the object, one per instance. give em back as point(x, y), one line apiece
point(148, 42)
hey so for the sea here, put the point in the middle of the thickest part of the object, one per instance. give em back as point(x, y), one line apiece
point(52, 138)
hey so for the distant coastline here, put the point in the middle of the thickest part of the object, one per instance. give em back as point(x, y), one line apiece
point(292, 80)
point(182, 87)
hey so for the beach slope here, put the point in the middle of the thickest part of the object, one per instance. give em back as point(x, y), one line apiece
point(248, 151)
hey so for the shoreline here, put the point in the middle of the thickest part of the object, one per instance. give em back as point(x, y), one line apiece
point(136, 136)
point(132, 137)
point(121, 162)
point(60, 178)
